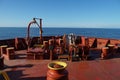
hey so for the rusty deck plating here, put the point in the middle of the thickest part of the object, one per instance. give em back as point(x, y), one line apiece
point(23, 69)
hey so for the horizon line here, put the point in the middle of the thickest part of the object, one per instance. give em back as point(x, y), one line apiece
point(59, 27)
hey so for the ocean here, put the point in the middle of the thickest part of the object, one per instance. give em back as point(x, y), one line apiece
point(21, 32)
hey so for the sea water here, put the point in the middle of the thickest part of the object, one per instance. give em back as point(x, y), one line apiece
point(13, 32)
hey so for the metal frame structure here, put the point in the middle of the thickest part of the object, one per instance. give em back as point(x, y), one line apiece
point(34, 21)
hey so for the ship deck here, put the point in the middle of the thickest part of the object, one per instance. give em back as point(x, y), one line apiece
point(94, 69)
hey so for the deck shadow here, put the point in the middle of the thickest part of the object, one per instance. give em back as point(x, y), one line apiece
point(34, 78)
point(15, 75)
point(95, 55)
point(19, 66)
point(20, 56)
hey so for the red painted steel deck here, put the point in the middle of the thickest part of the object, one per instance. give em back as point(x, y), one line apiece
point(23, 69)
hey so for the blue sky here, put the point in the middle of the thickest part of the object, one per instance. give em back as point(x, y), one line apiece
point(61, 13)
